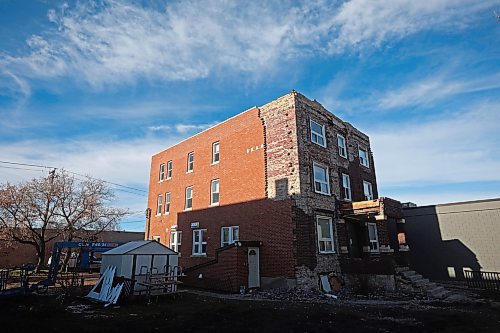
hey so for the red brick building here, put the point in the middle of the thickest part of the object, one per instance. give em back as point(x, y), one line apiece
point(274, 196)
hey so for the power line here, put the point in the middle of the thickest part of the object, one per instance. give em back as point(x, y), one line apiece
point(16, 168)
point(49, 167)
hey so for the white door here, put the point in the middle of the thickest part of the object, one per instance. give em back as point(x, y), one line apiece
point(253, 267)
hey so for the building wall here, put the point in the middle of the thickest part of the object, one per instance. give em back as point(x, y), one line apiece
point(456, 236)
point(240, 170)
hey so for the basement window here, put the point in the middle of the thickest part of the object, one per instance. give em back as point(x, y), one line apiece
point(229, 235)
point(200, 242)
point(318, 133)
point(342, 146)
point(175, 241)
point(325, 234)
point(367, 190)
point(321, 179)
point(363, 157)
point(372, 235)
point(346, 185)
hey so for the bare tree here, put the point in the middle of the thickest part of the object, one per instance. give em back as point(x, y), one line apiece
point(40, 210)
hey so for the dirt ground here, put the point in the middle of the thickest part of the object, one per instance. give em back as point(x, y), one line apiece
point(199, 311)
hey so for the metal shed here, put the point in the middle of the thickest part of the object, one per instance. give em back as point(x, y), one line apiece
point(139, 259)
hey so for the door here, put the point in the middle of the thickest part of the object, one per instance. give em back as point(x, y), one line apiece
point(253, 267)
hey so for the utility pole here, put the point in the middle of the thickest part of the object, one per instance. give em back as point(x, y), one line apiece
point(148, 221)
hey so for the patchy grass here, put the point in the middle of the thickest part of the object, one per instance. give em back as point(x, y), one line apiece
point(191, 312)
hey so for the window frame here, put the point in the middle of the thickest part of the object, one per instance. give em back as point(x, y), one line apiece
point(376, 248)
point(231, 232)
point(212, 202)
point(370, 187)
point(167, 203)
point(340, 148)
point(161, 173)
point(200, 243)
point(327, 173)
point(318, 135)
point(346, 189)
point(214, 153)
point(159, 204)
point(176, 241)
point(367, 159)
point(324, 239)
point(190, 198)
point(156, 238)
point(190, 162)
point(169, 169)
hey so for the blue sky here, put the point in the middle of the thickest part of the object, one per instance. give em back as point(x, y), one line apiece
point(97, 87)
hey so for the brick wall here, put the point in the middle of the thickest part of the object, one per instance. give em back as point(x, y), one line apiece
point(240, 170)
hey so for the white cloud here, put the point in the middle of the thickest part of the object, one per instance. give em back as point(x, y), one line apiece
point(114, 42)
point(460, 148)
point(429, 90)
point(187, 128)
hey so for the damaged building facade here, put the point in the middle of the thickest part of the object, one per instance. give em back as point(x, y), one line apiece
point(275, 196)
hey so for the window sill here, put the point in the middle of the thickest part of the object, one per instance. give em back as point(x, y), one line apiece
point(189, 171)
point(188, 209)
point(215, 163)
point(319, 144)
point(168, 178)
point(343, 156)
point(323, 193)
point(331, 252)
point(199, 255)
point(214, 204)
point(158, 215)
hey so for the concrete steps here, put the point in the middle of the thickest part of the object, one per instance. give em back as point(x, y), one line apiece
point(431, 289)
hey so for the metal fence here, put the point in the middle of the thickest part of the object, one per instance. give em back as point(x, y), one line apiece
point(482, 280)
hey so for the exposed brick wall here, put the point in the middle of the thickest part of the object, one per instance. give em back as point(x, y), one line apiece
point(240, 170)
point(263, 220)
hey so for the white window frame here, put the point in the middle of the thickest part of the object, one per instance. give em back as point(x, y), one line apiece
point(199, 244)
point(159, 204)
point(363, 160)
point(367, 190)
point(215, 152)
point(343, 146)
point(161, 174)
point(374, 244)
point(176, 241)
point(169, 169)
point(327, 171)
point(346, 186)
point(315, 135)
point(212, 192)
point(156, 238)
point(233, 234)
point(325, 240)
point(167, 203)
point(187, 198)
point(190, 162)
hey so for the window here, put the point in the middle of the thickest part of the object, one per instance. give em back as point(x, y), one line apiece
point(214, 192)
point(363, 157)
point(159, 204)
point(162, 172)
point(321, 182)
point(342, 146)
point(318, 133)
point(156, 238)
point(372, 235)
point(325, 234)
point(229, 235)
point(346, 184)
point(169, 169)
point(215, 152)
point(200, 242)
point(167, 202)
point(189, 198)
point(367, 190)
point(190, 160)
point(175, 241)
